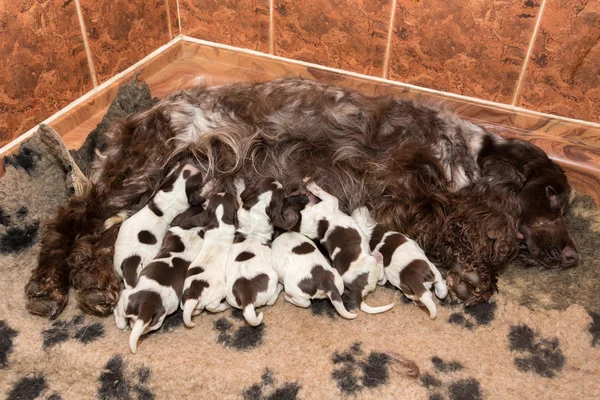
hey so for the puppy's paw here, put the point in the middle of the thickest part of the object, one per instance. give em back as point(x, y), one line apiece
point(115, 220)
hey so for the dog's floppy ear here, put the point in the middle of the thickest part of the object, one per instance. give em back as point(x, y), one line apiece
point(287, 210)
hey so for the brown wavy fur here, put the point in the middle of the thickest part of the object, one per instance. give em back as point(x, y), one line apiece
point(413, 165)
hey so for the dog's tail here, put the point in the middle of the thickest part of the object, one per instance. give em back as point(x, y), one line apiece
point(336, 299)
point(427, 300)
point(375, 310)
point(136, 332)
point(188, 311)
point(250, 315)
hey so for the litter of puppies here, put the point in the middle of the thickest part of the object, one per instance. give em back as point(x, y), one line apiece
point(204, 251)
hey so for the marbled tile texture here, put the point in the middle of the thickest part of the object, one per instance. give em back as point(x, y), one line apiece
point(563, 76)
point(42, 62)
point(346, 34)
point(243, 23)
point(469, 47)
point(122, 32)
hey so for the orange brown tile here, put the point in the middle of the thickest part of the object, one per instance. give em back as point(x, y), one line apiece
point(243, 23)
point(43, 63)
point(122, 32)
point(468, 47)
point(350, 35)
point(563, 75)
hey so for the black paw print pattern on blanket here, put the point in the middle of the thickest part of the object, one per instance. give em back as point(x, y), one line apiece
point(235, 333)
point(536, 354)
point(267, 389)
point(446, 382)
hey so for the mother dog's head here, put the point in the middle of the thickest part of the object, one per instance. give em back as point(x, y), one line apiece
point(543, 197)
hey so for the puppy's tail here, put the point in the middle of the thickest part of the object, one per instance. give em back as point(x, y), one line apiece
point(336, 299)
point(136, 332)
point(188, 310)
point(250, 315)
point(375, 310)
point(427, 300)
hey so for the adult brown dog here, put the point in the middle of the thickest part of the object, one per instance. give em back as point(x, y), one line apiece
point(473, 200)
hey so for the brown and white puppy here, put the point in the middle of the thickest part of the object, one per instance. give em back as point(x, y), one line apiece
point(251, 280)
point(306, 274)
point(405, 264)
point(205, 286)
point(160, 283)
point(346, 244)
point(140, 236)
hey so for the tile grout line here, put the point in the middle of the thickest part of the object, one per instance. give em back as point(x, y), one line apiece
point(169, 19)
point(536, 28)
point(419, 89)
point(386, 59)
point(86, 45)
point(271, 28)
point(179, 18)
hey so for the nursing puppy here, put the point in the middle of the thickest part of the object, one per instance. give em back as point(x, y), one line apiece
point(306, 274)
point(346, 244)
point(251, 280)
point(140, 236)
point(205, 286)
point(160, 284)
point(405, 264)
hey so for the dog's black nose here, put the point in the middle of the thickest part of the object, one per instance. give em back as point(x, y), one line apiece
point(570, 257)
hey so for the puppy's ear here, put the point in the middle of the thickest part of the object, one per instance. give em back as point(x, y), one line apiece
point(230, 206)
point(285, 212)
point(194, 189)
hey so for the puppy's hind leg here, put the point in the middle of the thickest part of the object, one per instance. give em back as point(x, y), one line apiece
point(300, 302)
point(320, 193)
point(273, 299)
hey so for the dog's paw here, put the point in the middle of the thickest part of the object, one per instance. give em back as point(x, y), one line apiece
point(468, 285)
point(45, 298)
point(97, 292)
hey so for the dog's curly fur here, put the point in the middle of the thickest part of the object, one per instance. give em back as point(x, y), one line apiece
point(454, 187)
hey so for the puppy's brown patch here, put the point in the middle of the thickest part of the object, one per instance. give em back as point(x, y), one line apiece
point(171, 244)
point(348, 241)
point(245, 290)
point(195, 271)
point(147, 237)
point(357, 286)
point(304, 248)
point(413, 276)
point(244, 256)
point(239, 237)
point(147, 305)
point(129, 267)
point(322, 228)
point(376, 236)
point(320, 279)
point(195, 290)
point(154, 208)
point(392, 242)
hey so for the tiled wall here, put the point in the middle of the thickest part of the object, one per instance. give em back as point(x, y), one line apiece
point(43, 60)
point(471, 47)
point(477, 48)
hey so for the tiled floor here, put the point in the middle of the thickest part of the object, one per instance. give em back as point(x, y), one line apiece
point(186, 64)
